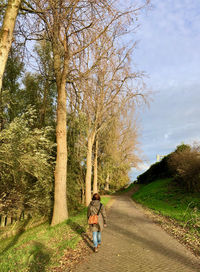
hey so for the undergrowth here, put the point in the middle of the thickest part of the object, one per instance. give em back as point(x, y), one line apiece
point(40, 248)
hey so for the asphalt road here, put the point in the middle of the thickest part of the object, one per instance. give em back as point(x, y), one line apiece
point(134, 243)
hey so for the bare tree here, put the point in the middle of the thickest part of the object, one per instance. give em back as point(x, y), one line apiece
point(109, 88)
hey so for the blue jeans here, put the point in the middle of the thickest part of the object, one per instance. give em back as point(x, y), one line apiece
point(96, 238)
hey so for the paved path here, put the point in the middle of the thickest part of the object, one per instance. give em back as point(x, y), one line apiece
point(133, 243)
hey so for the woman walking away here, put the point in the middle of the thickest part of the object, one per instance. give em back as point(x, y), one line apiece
point(96, 210)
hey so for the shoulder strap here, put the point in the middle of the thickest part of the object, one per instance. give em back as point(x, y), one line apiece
point(99, 209)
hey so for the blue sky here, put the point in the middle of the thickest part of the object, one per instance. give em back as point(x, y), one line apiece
point(169, 52)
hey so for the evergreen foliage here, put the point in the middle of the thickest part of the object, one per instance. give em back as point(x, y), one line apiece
point(11, 90)
point(26, 167)
point(157, 170)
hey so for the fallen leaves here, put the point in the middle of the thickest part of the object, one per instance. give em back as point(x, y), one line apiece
point(72, 257)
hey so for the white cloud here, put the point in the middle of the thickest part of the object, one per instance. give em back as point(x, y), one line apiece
point(166, 136)
point(143, 166)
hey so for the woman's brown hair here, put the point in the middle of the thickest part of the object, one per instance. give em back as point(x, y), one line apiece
point(96, 197)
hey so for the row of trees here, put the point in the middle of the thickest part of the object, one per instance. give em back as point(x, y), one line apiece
point(84, 92)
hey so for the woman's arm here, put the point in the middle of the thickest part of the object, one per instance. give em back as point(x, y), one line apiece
point(88, 212)
point(103, 212)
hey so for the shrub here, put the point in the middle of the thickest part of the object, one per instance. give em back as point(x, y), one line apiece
point(26, 176)
point(158, 170)
point(186, 165)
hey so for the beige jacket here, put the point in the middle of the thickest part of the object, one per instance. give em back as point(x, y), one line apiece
point(92, 210)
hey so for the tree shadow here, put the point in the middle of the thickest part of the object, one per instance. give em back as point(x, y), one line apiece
point(82, 232)
point(39, 258)
point(22, 229)
point(155, 246)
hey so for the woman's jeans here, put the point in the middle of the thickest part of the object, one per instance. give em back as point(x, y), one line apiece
point(96, 238)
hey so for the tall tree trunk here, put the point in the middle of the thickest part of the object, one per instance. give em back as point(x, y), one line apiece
point(6, 33)
point(107, 182)
point(89, 168)
point(44, 104)
point(1, 112)
point(95, 187)
point(83, 195)
point(60, 212)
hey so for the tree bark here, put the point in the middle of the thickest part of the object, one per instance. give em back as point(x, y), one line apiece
point(6, 36)
point(3, 220)
point(44, 105)
point(1, 112)
point(89, 168)
point(60, 212)
point(95, 185)
point(6, 33)
point(83, 195)
point(107, 182)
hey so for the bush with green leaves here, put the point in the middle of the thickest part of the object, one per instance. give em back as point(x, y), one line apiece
point(26, 167)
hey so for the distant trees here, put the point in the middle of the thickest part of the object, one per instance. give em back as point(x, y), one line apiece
point(118, 153)
point(108, 91)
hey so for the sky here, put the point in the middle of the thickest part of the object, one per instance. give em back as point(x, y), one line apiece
point(168, 51)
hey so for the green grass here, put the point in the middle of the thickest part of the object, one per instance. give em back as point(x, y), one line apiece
point(105, 200)
point(40, 248)
point(166, 198)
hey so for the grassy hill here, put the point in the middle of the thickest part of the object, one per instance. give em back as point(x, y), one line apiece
point(166, 198)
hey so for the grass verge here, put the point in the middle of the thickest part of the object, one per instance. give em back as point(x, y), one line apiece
point(164, 197)
point(40, 248)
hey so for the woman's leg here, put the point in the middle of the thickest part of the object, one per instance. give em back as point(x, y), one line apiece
point(95, 239)
point(99, 237)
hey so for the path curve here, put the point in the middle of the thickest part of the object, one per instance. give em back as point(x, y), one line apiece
point(134, 243)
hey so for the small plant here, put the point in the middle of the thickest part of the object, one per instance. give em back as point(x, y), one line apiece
point(186, 165)
point(191, 216)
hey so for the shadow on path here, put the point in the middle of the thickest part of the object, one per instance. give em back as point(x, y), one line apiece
point(16, 237)
point(153, 245)
point(82, 232)
point(39, 258)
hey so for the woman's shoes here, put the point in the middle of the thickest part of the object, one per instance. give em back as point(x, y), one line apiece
point(95, 250)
